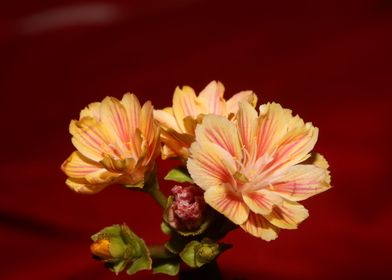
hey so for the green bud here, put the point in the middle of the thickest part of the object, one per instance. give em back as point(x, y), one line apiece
point(119, 247)
point(198, 253)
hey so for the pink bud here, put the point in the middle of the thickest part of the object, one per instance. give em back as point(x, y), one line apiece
point(188, 207)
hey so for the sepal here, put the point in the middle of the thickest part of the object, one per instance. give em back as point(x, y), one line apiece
point(118, 247)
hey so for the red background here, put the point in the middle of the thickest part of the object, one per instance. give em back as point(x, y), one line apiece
point(329, 61)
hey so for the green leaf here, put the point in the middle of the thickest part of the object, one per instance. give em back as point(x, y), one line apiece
point(178, 175)
point(166, 266)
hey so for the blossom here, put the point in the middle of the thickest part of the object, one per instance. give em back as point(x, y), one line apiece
point(256, 171)
point(116, 141)
point(178, 122)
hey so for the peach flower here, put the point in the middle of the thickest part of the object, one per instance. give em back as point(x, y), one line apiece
point(256, 171)
point(178, 122)
point(116, 141)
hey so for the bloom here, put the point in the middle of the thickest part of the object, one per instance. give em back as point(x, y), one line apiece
point(178, 122)
point(256, 170)
point(116, 141)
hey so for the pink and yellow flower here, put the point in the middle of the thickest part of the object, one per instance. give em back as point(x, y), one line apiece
point(256, 171)
point(178, 122)
point(116, 141)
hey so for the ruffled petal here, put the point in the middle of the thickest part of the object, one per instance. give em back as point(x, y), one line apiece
point(147, 122)
point(78, 166)
point(288, 215)
point(185, 104)
point(212, 98)
point(166, 118)
point(262, 201)
point(82, 186)
point(133, 109)
point(259, 227)
point(210, 165)
point(90, 138)
point(247, 125)
point(114, 116)
point(93, 110)
point(228, 203)
point(222, 132)
point(247, 95)
point(286, 138)
point(300, 182)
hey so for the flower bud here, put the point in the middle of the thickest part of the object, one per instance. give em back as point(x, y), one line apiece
point(198, 253)
point(187, 210)
point(101, 249)
point(118, 247)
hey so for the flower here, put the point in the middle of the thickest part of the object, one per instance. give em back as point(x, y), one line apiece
point(187, 209)
point(116, 142)
point(256, 170)
point(178, 122)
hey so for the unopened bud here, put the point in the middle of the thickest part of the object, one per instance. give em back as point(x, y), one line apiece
point(101, 249)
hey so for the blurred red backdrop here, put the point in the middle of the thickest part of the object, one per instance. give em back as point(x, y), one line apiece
point(329, 61)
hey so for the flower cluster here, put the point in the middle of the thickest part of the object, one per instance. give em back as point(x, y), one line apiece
point(242, 168)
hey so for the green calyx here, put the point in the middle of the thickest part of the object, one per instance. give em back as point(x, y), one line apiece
point(197, 253)
point(119, 248)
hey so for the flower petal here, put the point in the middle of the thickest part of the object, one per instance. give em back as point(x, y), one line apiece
point(210, 165)
point(166, 118)
point(133, 109)
point(78, 166)
point(222, 132)
point(82, 186)
point(147, 126)
point(228, 203)
point(212, 98)
point(114, 116)
point(248, 96)
point(288, 215)
point(300, 182)
point(261, 201)
point(247, 124)
point(90, 138)
point(258, 226)
point(185, 104)
point(93, 110)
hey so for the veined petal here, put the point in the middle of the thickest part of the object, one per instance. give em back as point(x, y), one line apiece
point(210, 165)
point(288, 215)
point(102, 177)
point(78, 166)
point(247, 95)
point(272, 127)
point(212, 98)
point(300, 182)
point(177, 142)
point(261, 201)
point(133, 109)
point(82, 186)
point(93, 110)
point(247, 124)
point(114, 116)
point(166, 118)
point(89, 137)
point(147, 122)
point(228, 203)
point(258, 226)
point(185, 104)
point(220, 131)
point(295, 147)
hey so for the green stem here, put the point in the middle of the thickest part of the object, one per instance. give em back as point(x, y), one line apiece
point(159, 252)
point(152, 187)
